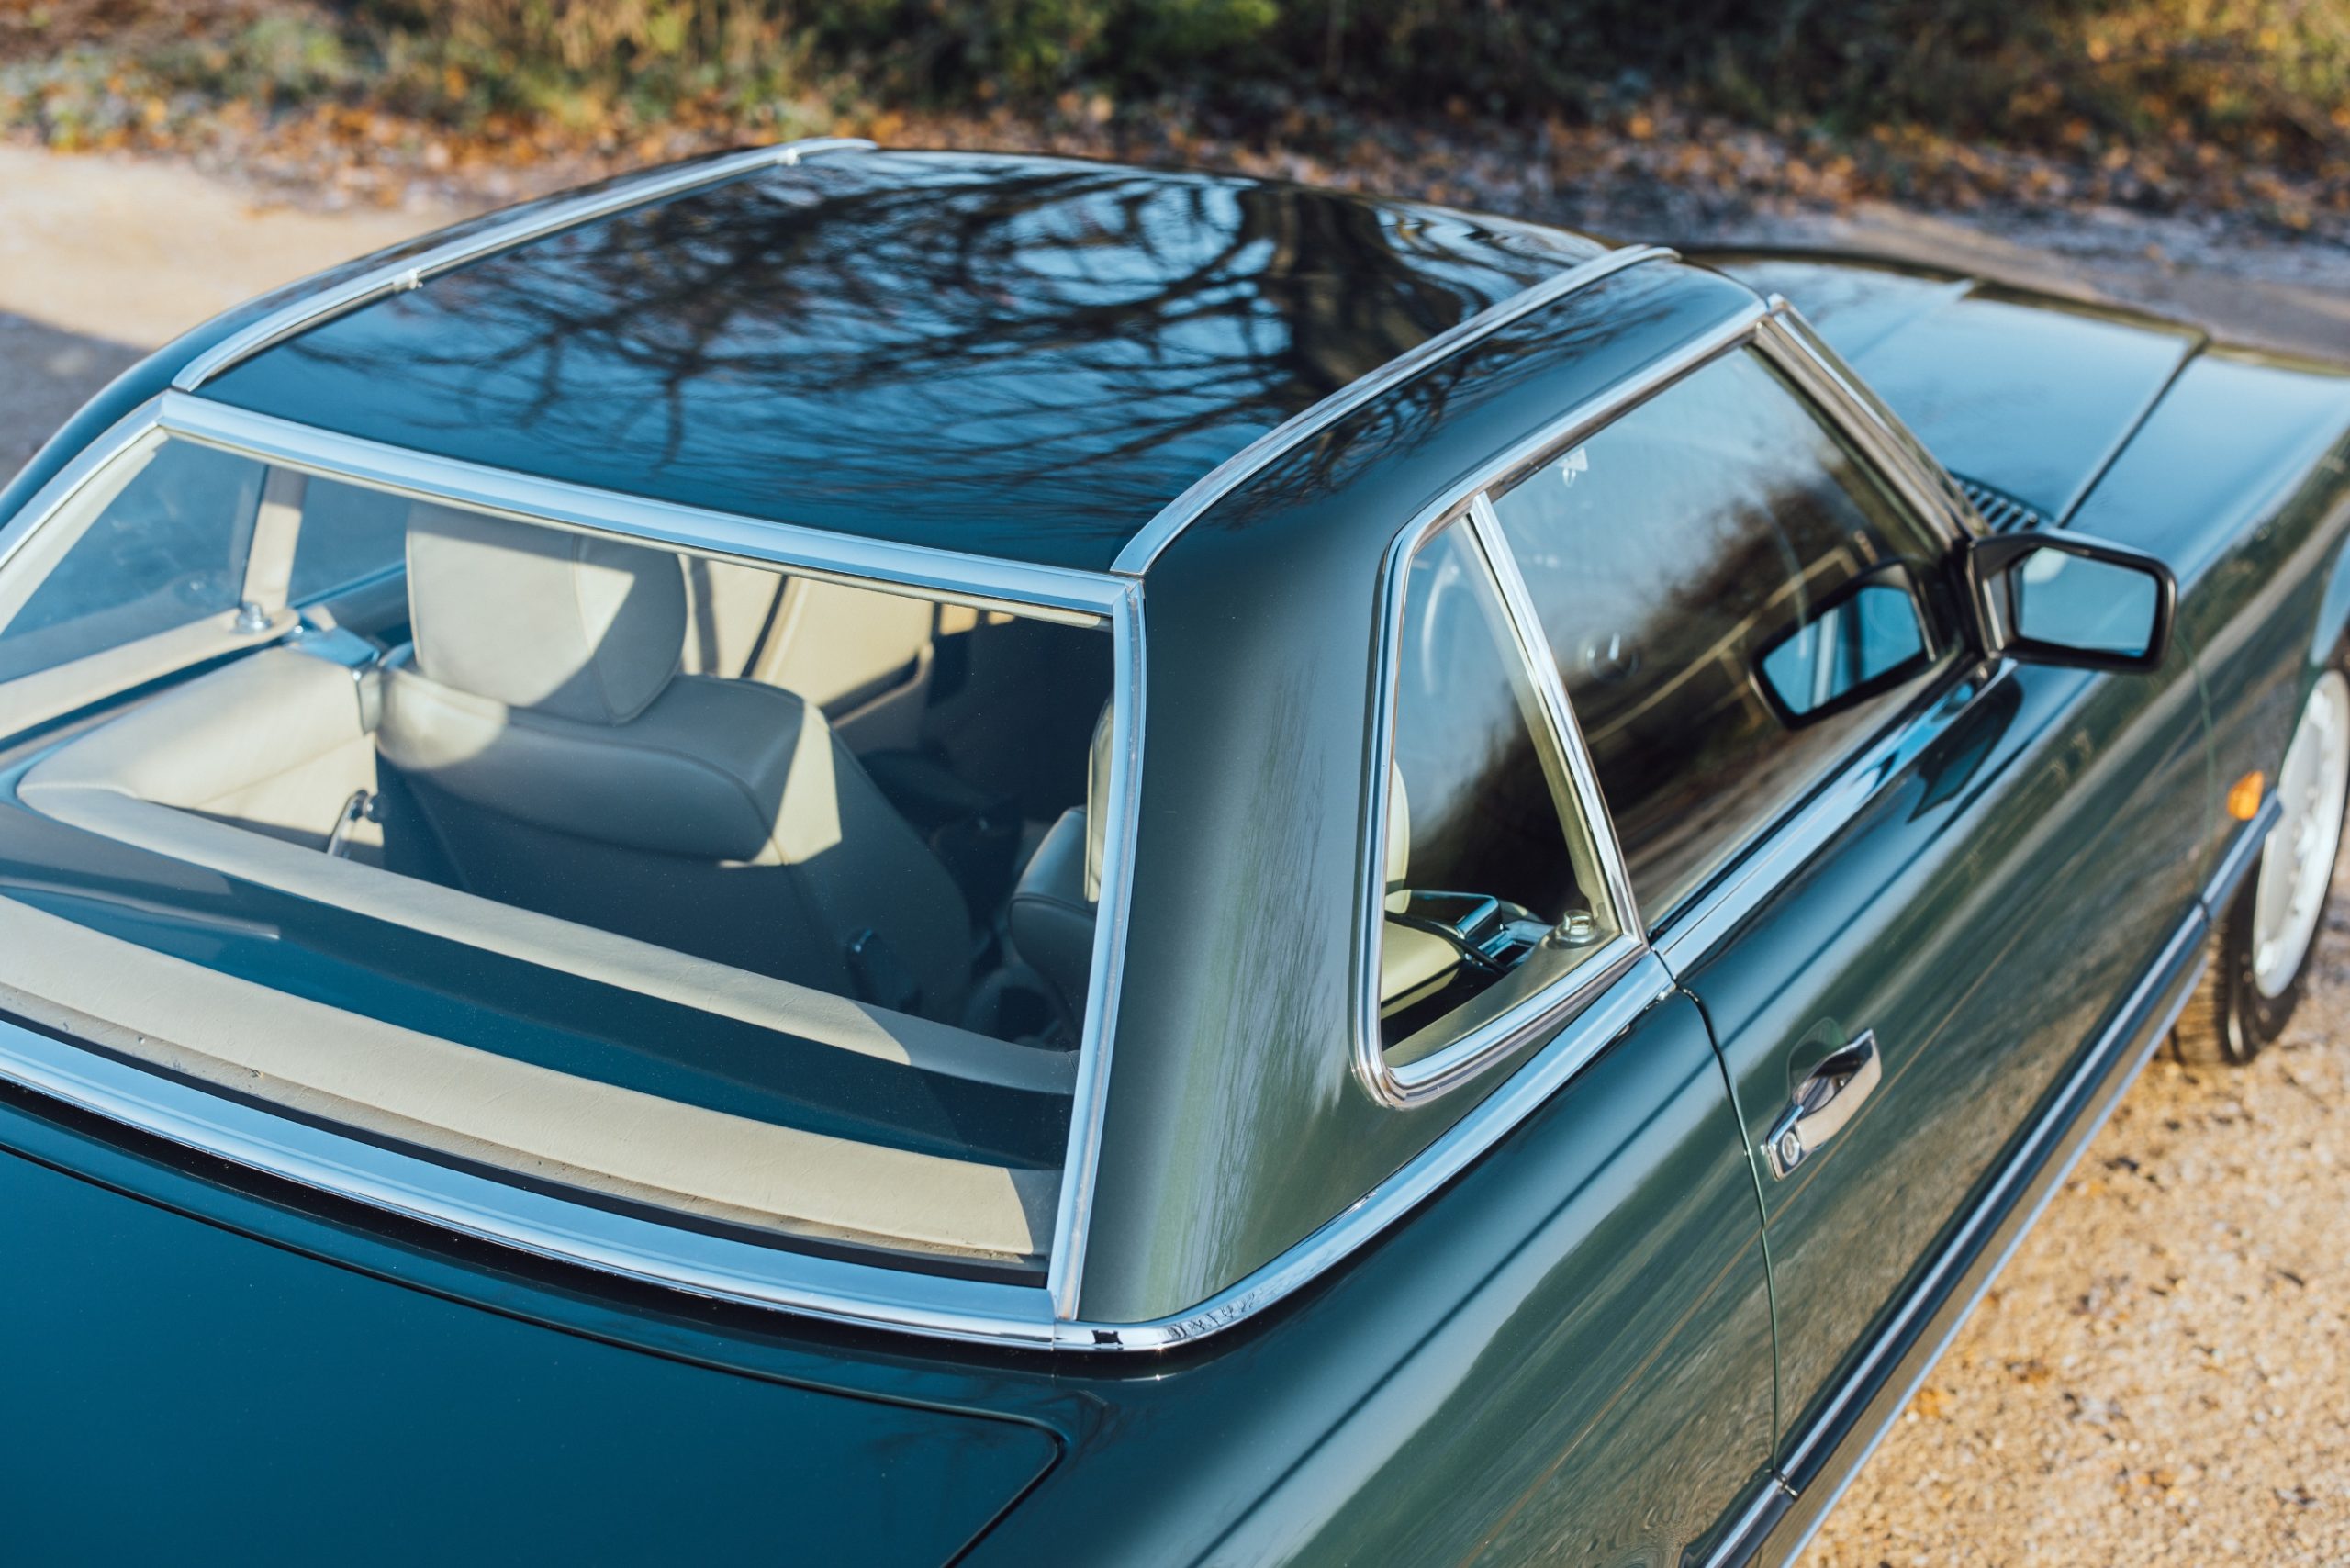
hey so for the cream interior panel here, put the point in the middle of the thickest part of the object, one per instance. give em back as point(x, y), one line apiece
point(837, 645)
point(65, 788)
point(540, 1115)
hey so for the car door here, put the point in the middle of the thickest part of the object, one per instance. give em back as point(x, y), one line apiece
point(1905, 885)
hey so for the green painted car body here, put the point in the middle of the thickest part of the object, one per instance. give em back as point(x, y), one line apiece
point(1604, 1332)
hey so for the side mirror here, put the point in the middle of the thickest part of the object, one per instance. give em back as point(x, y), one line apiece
point(2062, 599)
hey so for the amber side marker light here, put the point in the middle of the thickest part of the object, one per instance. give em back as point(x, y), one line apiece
point(2243, 799)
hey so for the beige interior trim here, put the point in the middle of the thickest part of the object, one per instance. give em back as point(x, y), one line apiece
point(52, 693)
point(538, 1115)
point(768, 1003)
point(278, 528)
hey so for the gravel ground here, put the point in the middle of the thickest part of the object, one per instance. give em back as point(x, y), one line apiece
point(2159, 1377)
point(2162, 1375)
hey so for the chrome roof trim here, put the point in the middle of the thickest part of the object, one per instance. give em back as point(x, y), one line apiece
point(556, 215)
point(1055, 593)
point(1236, 470)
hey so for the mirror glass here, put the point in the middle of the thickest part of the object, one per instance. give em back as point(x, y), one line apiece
point(2090, 606)
point(1867, 631)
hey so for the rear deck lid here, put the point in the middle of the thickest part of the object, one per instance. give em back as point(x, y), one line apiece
point(182, 1392)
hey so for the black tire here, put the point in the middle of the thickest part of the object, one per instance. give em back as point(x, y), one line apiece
point(2228, 1020)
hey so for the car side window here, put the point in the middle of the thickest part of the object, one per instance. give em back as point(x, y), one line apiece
point(350, 533)
point(170, 549)
point(1731, 599)
point(1491, 887)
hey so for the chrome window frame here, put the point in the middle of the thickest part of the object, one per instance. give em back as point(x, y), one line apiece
point(1776, 846)
point(1781, 847)
point(651, 1250)
point(1171, 519)
point(1404, 1084)
point(323, 305)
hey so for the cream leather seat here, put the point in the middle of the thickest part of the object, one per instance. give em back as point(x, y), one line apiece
point(1413, 964)
point(861, 655)
point(570, 768)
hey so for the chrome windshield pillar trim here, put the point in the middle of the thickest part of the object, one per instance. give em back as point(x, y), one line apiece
point(2240, 855)
point(1641, 987)
point(1059, 593)
point(399, 277)
point(1236, 470)
point(648, 1250)
point(1898, 457)
point(1090, 1096)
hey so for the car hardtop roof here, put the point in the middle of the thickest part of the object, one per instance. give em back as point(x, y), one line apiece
point(1011, 356)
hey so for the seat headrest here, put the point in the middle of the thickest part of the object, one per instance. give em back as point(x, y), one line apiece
point(562, 623)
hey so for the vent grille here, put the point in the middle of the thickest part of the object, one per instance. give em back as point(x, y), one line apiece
point(2000, 510)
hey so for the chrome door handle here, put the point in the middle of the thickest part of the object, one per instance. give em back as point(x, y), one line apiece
point(1823, 1103)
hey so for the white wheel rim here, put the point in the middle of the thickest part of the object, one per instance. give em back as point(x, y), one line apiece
point(2296, 863)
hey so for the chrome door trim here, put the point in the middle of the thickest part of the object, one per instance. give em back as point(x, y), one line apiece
point(560, 213)
point(1867, 412)
point(1887, 448)
point(1773, 1497)
point(1399, 1085)
point(1139, 551)
point(1702, 925)
point(1697, 927)
point(1542, 666)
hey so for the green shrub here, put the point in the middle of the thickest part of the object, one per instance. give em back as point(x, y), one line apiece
point(2265, 72)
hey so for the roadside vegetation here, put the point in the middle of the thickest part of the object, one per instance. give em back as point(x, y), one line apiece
point(2239, 107)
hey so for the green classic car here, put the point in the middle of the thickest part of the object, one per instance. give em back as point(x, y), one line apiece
point(850, 856)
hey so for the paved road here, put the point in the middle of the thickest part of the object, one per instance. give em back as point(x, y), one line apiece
point(102, 259)
point(2159, 1377)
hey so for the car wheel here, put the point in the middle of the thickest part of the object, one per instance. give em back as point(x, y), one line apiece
point(2261, 952)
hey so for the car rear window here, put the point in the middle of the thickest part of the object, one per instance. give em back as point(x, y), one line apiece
point(761, 895)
